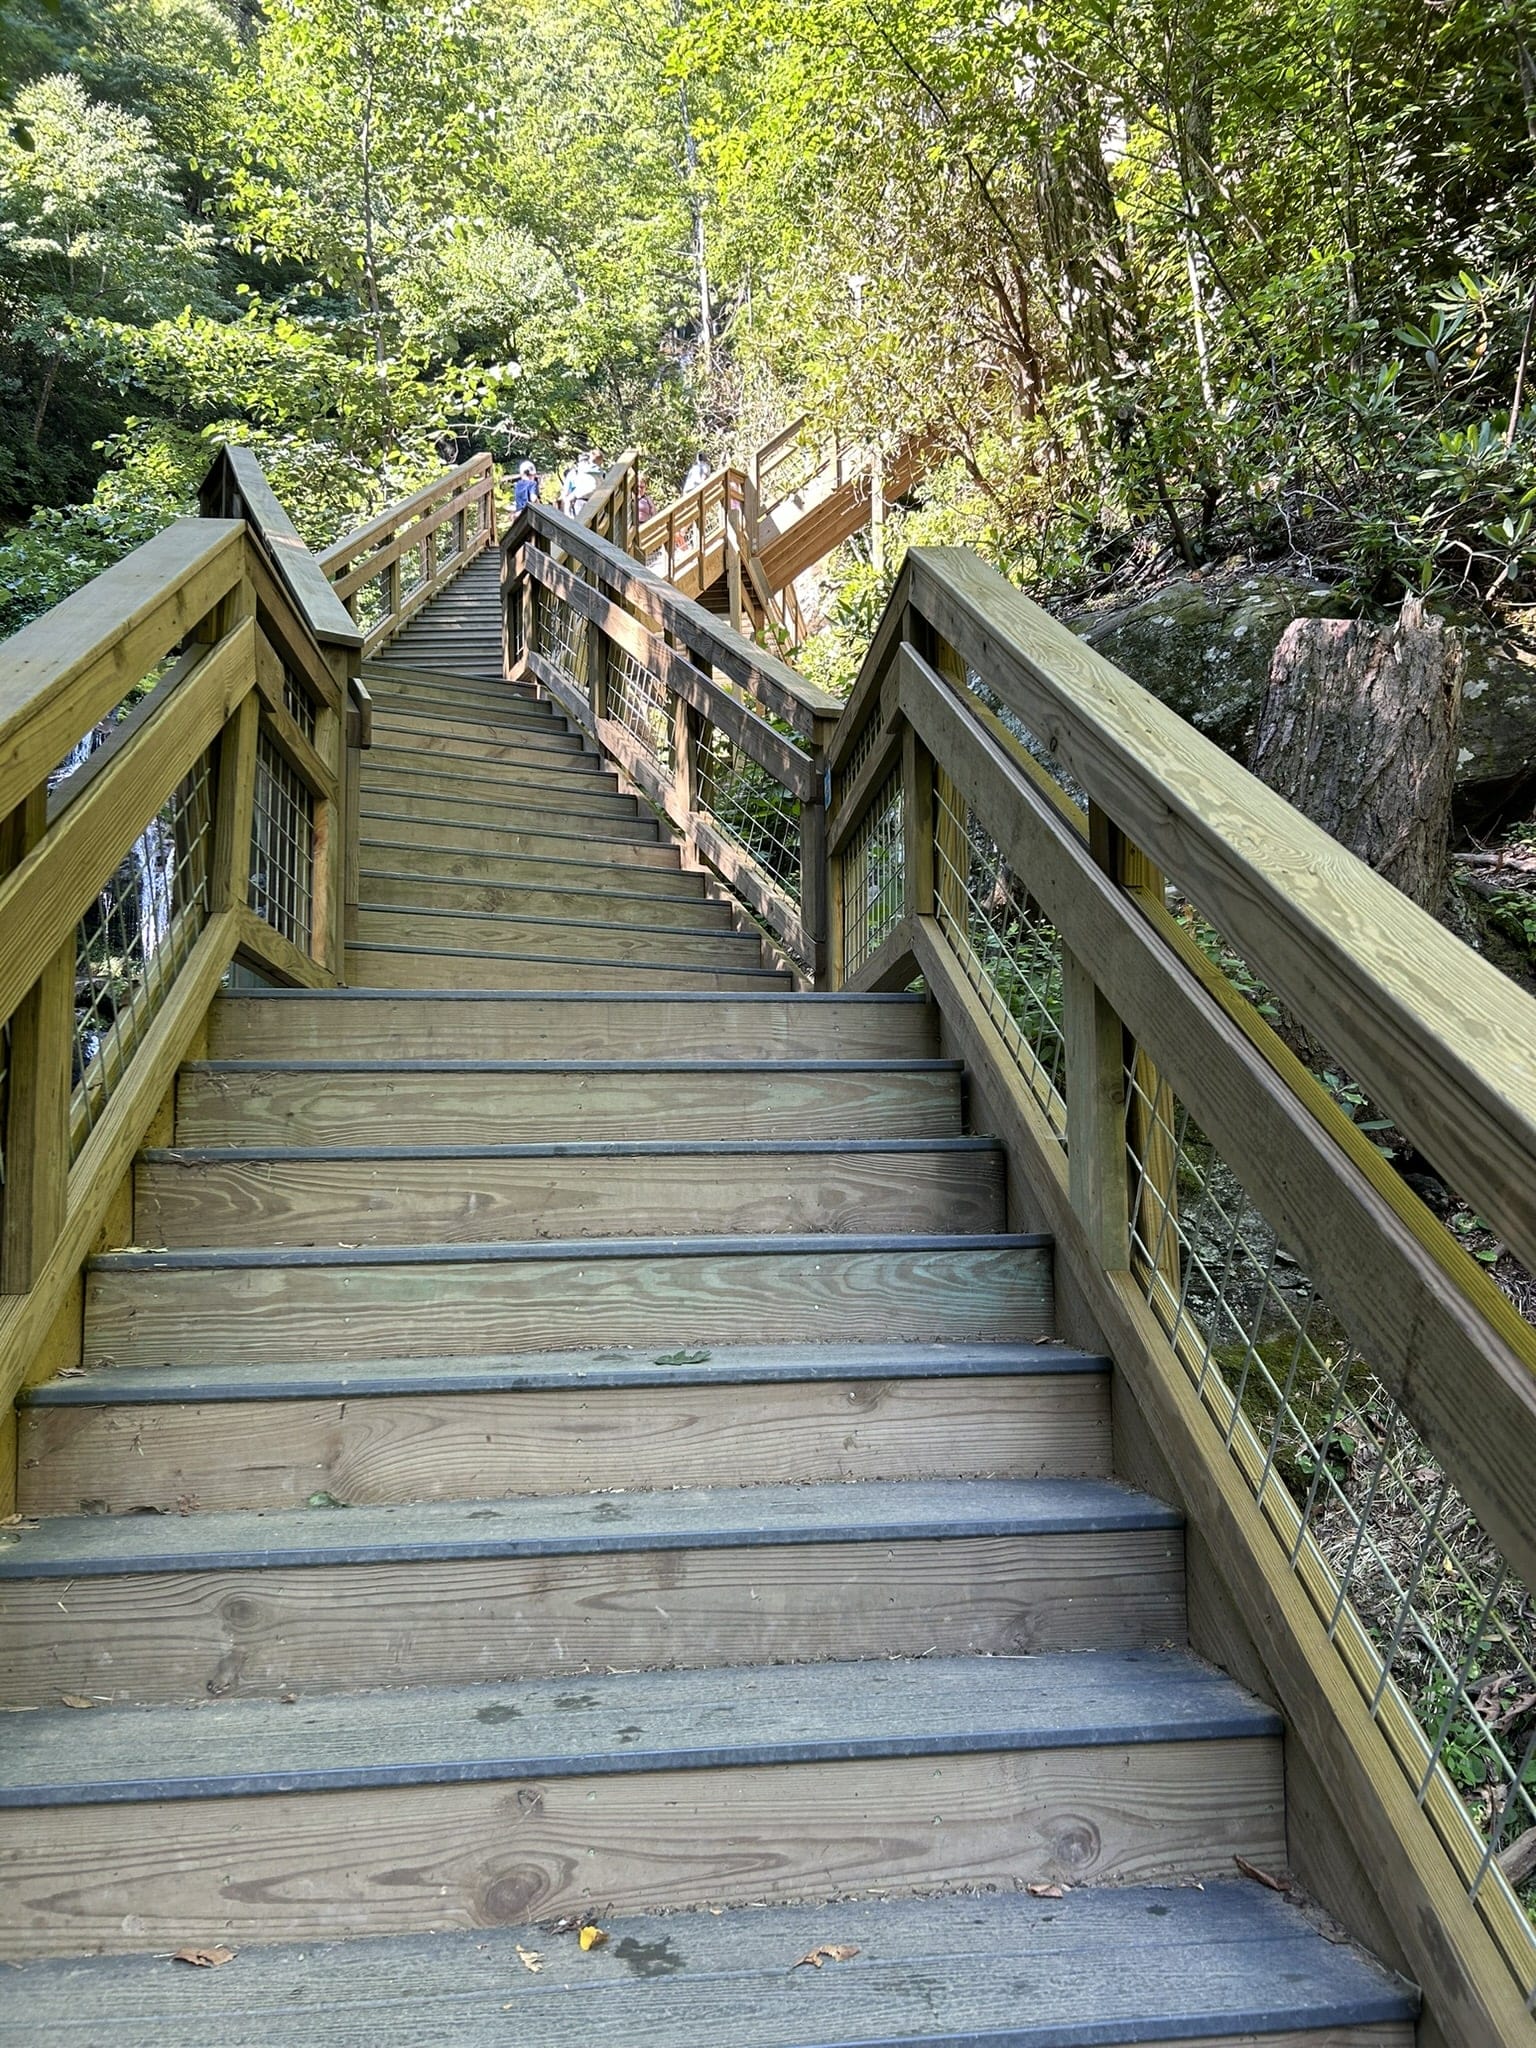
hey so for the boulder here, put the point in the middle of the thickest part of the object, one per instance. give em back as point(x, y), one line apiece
point(1204, 643)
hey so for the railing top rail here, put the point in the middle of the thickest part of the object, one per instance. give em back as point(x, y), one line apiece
point(237, 475)
point(67, 669)
point(772, 681)
point(1441, 1039)
point(362, 538)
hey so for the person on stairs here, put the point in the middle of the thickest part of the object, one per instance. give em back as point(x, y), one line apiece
point(583, 481)
point(527, 490)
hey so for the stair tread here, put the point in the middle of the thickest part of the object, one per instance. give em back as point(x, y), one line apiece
point(503, 920)
point(265, 1064)
point(599, 1724)
point(1110, 1965)
point(811, 1002)
point(827, 1244)
point(537, 1371)
point(747, 1149)
point(565, 1525)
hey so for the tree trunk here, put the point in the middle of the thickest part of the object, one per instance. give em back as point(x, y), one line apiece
point(1358, 729)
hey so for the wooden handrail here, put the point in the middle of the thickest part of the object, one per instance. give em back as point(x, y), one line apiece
point(1427, 1029)
point(660, 683)
point(236, 488)
point(372, 553)
point(226, 743)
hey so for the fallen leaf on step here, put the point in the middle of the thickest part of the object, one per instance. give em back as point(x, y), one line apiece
point(530, 1959)
point(75, 1699)
point(287, 1699)
point(1046, 1891)
point(591, 1937)
point(682, 1358)
point(565, 1924)
point(324, 1500)
point(826, 1952)
point(1275, 1884)
point(204, 1958)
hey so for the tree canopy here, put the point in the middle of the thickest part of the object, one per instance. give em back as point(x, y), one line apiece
point(1159, 280)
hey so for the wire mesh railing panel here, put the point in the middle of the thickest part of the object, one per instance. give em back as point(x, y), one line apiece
point(5, 1101)
point(369, 603)
point(558, 636)
point(640, 701)
point(132, 941)
point(857, 755)
point(748, 803)
point(1010, 953)
point(411, 568)
point(299, 705)
point(282, 847)
point(874, 876)
point(1438, 1635)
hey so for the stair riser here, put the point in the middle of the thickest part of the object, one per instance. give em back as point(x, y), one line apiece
point(453, 801)
point(382, 968)
point(396, 1860)
point(684, 908)
point(552, 753)
point(431, 1107)
point(181, 1637)
point(572, 778)
point(464, 715)
point(503, 830)
point(406, 842)
point(476, 1446)
point(524, 938)
point(231, 1315)
point(278, 1201)
point(427, 1027)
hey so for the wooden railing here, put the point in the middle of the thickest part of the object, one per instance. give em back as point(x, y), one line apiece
point(687, 540)
point(1113, 918)
point(613, 510)
point(722, 738)
point(174, 768)
point(391, 566)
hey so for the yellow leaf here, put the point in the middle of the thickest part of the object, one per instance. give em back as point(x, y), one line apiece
point(530, 1960)
point(592, 1937)
point(74, 1699)
point(826, 1952)
point(204, 1958)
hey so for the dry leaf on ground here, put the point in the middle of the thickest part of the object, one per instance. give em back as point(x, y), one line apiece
point(1046, 1891)
point(1275, 1884)
point(75, 1699)
point(826, 1952)
point(592, 1937)
point(530, 1959)
point(204, 1958)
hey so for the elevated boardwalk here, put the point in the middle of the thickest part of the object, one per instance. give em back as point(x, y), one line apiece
point(598, 1403)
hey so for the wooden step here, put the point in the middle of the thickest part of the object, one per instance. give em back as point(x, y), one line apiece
point(626, 879)
point(484, 780)
point(412, 968)
point(1224, 1963)
point(145, 1308)
point(287, 1023)
point(600, 852)
point(678, 904)
point(542, 1101)
point(508, 803)
point(528, 936)
point(467, 1194)
point(257, 1820)
point(561, 1422)
point(552, 752)
point(326, 1599)
point(485, 717)
point(499, 828)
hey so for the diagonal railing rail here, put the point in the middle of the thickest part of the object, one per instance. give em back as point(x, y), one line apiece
point(388, 568)
point(1131, 941)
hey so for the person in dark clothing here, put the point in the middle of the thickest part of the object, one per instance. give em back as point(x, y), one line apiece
point(526, 491)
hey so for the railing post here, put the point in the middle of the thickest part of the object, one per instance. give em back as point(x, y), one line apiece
point(817, 909)
point(596, 653)
point(428, 558)
point(231, 879)
point(36, 1190)
point(1094, 1086)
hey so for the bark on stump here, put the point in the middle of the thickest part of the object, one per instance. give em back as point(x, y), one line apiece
point(1358, 729)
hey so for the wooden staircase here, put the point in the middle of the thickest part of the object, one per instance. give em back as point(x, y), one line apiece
point(576, 1439)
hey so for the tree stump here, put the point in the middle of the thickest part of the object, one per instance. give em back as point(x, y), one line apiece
point(1358, 729)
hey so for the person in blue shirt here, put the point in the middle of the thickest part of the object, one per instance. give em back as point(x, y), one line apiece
point(526, 491)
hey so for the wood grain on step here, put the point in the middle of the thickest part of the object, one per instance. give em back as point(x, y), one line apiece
point(479, 1445)
point(295, 1867)
point(466, 1107)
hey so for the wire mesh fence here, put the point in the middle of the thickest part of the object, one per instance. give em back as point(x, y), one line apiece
point(132, 941)
point(1009, 951)
point(282, 847)
point(1439, 1636)
point(299, 705)
point(559, 635)
point(874, 876)
point(748, 803)
point(640, 701)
